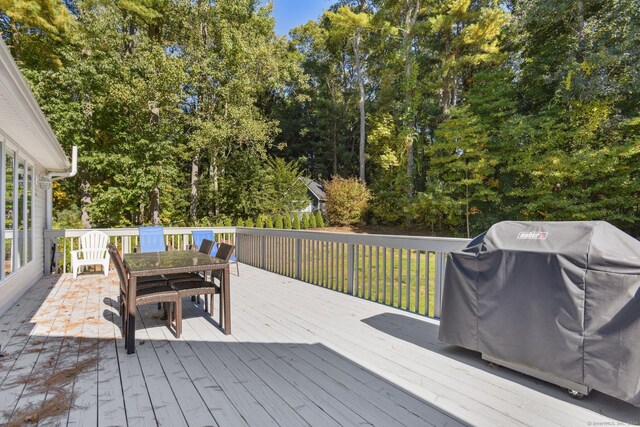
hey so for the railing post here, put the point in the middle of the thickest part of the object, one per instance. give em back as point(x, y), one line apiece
point(47, 256)
point(350, 269)
point(441, 262)
point(238, 245)
point(298, 259)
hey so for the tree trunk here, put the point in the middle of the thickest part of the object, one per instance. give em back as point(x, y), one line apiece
point(193, 207)
point(356, 51)
point(335, 149)
point(466, 198)
point(141, 213)
point(214, 175)
point(14, 46)
point(85, 201)
point(334, 133)
point(155, 206)
point(580, 31)
point(410, 20)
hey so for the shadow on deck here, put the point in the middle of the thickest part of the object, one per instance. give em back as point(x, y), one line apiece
point(299, 355)
point(425, 335)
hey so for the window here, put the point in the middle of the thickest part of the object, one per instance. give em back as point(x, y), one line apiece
point(17, 187)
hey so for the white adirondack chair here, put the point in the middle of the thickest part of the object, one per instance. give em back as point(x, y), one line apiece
point(93, 251)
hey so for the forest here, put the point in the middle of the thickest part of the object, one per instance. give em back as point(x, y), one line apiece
point(455, 114)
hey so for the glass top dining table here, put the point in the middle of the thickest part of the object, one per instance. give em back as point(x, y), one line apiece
point(144, 264)
point(153, 263)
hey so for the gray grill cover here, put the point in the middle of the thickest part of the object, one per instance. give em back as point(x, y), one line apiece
point(561, 297)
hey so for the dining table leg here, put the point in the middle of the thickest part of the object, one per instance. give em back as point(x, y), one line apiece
point(131, 318)
point(226, 293)
point(221, 308)
point(131, 334)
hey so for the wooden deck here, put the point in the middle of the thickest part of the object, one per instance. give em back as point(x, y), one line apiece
point(299, 355)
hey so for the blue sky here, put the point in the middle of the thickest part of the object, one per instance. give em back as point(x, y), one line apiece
point(292, 13)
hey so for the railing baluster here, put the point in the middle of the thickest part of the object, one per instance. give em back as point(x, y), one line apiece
point(400, 259)
point(427, 283)
point(370, 273)
point(298, 261)
point(64, 256)
point(356, 285)
point(384, 276)
point(319, 263)
point(408, 307)
point(377, 273)
point(314, 262)
point(292, 262)
point(393, 272)
point(332, 265)
point(327, 279)
point(341, 265)
point(323, 263)
point(417, 295)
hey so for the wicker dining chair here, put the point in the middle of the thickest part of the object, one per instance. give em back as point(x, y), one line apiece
point(225, 252)
point(205, 287)
point(205, 247)
point(150, 293)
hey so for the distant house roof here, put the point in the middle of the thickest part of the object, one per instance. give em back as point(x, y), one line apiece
point(22, 122)
point(315, 187)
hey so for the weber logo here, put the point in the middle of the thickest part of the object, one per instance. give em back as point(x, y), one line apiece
point(532, 235)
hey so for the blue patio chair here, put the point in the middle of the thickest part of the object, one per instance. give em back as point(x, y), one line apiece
point(233, 260)
point(200, 235)
point(152, 239)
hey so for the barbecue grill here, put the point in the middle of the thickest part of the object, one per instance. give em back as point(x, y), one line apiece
point(555, 300)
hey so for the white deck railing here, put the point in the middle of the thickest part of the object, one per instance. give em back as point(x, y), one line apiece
point(126, 239)
point(400, 271)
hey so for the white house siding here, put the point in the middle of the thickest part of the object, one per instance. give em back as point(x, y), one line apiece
point(18, 283)
point(25, 132)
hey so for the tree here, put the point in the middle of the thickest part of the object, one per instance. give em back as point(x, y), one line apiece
point(284, 185)
point(353, 26)
point(464, 164)
point(296, 222)
point(312, 221)
point(407, 12)
point(35, 29)
point(347, 201)
point(305, 220)
point(278, 223)
point(319, 219)
point(317, 121)
point(287, 221)
point(235, 65)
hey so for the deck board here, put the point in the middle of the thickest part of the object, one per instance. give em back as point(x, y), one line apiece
point(299, 355)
